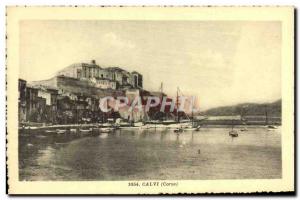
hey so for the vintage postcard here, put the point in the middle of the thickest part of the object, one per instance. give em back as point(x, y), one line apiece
point(150, 100)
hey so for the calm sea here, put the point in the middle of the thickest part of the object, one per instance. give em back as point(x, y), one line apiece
point(146, 154)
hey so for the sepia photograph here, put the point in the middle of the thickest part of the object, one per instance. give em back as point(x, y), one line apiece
point(154, 99)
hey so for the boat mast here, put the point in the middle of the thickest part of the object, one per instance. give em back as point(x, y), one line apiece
point(192, 113)
point(232, 122)
point(161, 96)
point(161, 89)
point(266, 113)
point(177, 105)
point(193, 116)
point(132, 121)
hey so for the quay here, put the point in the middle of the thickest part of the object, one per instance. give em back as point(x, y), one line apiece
point(106, 127)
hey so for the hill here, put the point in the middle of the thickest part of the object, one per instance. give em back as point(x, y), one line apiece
point(273, 109)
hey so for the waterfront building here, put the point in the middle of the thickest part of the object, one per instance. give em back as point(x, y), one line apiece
point(42, 112)
point(50, 96)
point(225, 120)
point(137, 113)
point(72, 96)
point(66, 109)
point(262, 119)
point(32, 104)
point(37, 104)
point(22, 100)
point(140, 113)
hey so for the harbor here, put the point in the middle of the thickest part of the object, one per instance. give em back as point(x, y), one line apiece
point(90, 121)
point(87, 129)
point(139, 154)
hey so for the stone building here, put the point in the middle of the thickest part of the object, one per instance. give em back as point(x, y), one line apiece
point(32, 104)
point(36, 104)
point(137, 80)
point(103, 83)
point(72, 96)
point(110, 77)
point(22, 100)
point(66, 107)
point(49, 95)
point(69, 85)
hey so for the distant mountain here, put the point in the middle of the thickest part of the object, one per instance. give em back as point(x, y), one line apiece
point(273, 109)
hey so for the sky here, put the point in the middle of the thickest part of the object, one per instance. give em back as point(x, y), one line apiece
point(219, 62)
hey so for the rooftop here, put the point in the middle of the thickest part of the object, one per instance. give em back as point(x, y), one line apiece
point(44, 87)
point(115, 69)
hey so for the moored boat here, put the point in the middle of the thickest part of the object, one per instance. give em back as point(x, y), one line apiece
point(73, 130)
point(106, 130)
point(271, 127)
point(178, 130)
point(85, 131)
point(50, 131)
point(233, 133)
point(244, 129)
point(61, 131)
point(106, 125)
point(198, 128)
point(193, 128)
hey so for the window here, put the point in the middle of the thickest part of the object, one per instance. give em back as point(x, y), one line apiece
point(135, 81)
point(140, 81)
point(124, 79)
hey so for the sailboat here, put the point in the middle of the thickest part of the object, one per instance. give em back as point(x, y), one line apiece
point(164, 123)
point(242, 119)
point(233, 133)
point(179, 129)
point(175, 124)
point(192, 127)
point(270, 127)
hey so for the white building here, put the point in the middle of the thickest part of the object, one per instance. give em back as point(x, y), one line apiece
point(110, 77)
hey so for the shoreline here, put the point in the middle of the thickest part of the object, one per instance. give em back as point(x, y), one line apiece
point(100, 125)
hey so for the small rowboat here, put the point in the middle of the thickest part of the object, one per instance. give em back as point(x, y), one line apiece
point(60, 131)
point(193, 129)
point(73, 130)
point(178, 130)
point(84, 131)
point(51, 131)
point(106, 130)
point(233, 133)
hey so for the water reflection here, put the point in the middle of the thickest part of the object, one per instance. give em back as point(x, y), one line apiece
point(148, 154)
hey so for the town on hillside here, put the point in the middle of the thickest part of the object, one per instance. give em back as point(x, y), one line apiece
point(73, 94)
